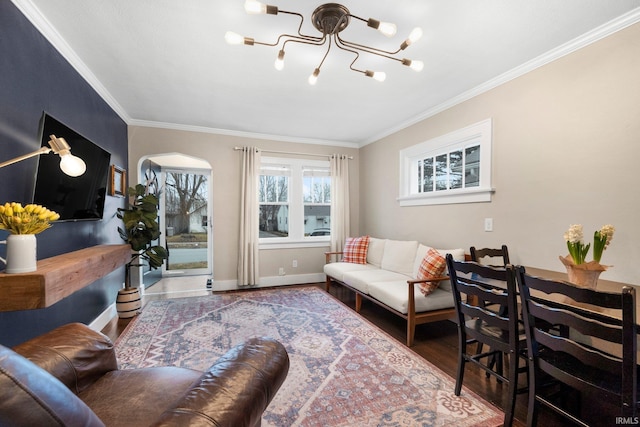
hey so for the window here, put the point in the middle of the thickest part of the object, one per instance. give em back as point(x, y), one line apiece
point(295, 201)
point(273, 198)
point(316, 194)
point(454, 168)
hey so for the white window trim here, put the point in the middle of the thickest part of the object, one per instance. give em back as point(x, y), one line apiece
point(478, 133)
point(296, 238)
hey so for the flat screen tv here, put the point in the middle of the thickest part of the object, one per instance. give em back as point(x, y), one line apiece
point(74, 198)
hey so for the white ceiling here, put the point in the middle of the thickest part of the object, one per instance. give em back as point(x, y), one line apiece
point(165, 63)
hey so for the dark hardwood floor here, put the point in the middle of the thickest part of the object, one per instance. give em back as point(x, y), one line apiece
point(437, 342)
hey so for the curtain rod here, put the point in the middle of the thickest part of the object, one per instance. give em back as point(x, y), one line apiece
point(292, 153)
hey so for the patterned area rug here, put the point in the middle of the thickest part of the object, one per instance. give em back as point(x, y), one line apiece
point(344, 370)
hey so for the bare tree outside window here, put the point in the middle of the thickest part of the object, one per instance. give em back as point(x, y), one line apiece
point(185, 194)
point(273, 196)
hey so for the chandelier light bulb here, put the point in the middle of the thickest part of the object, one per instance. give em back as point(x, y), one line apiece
point(313, 78)
point(255, 7)
point(415, 35)
point(388, 29)
point(376, 75)
point(233, 38)
point(279, 64)
point(416, 65)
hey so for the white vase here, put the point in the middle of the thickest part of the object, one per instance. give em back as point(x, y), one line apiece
point(21, 253)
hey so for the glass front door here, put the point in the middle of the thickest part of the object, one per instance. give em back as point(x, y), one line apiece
point(185, 200)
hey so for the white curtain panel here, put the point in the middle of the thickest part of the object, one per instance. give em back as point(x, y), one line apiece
point(339, 201)
point(248, 253)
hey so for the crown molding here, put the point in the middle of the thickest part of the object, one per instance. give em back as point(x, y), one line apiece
point(242, 134)
point(578, 43)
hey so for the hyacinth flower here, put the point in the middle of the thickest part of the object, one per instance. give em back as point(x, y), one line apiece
point(577, 249)
point(601, 240)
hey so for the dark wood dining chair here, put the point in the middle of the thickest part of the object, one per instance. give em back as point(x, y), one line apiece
point(478, 254)
point(496, 257)
point(587, 343)
point(501, 332)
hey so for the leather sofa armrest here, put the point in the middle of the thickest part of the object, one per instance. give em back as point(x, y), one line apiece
point(236, 390)
point(73, 353)
point(327, 256)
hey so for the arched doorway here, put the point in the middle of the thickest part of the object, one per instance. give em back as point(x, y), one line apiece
point(184, 185)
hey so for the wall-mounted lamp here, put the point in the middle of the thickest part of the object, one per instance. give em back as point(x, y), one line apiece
point(70, 164)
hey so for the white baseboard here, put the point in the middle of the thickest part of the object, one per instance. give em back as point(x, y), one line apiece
point(104, 318)
point(293, 279)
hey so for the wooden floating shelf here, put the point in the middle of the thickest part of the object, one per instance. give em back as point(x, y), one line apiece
point(60, 276)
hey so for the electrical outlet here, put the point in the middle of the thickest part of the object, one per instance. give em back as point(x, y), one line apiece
point(295, 263)
point(281, 271)
point(488, 224)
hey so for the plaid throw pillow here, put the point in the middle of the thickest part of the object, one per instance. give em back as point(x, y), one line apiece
point(432, 265)
point(355, 250)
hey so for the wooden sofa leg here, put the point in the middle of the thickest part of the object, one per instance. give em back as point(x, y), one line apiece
point(411, 330)
point(328, 284)
point(358, 302)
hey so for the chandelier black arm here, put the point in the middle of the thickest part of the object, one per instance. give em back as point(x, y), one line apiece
point(325, 54)
point(373, 50)
point(345, 45)
point(294, 38)
point(356, 53)
point(305, 36)
point(319, 41)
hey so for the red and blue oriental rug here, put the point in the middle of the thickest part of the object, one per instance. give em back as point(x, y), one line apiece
point(344, 370)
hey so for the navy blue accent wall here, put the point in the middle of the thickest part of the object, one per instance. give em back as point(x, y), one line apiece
point(34, 77)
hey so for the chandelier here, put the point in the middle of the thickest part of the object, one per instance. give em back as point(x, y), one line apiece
point(330, 19)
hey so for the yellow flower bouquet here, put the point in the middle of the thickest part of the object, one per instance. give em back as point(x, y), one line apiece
point(29, 219)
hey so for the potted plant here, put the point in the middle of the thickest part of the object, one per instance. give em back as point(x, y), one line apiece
point(140, 229)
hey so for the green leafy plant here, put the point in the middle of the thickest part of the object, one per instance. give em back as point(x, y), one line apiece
point(141, 228)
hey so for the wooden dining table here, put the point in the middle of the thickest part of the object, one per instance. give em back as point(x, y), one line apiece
point(603, 285)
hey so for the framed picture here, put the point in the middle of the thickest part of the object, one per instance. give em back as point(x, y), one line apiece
point(118, 181)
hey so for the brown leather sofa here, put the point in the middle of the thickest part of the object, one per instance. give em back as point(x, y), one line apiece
point(70, 377)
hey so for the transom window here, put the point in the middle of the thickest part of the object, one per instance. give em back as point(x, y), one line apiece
point(454, 168)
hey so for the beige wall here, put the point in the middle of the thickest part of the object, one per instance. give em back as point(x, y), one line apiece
point(566, 147)
point(226, 165)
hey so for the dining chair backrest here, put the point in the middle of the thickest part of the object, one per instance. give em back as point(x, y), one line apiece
point(584, 338)
point(472, 282)
point(478, 254)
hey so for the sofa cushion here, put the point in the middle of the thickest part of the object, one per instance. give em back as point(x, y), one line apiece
point(375, 251)
point(337, 269)
point(433, 265)
point(360, 280)
point(399, 256)
point(355, 250)
point(395, 295)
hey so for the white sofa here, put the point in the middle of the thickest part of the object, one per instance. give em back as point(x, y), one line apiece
point(389, 279)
